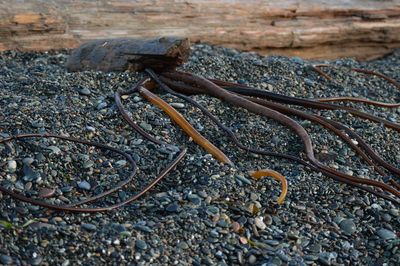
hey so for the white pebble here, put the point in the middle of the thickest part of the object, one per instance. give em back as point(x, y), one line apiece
point(12, 166)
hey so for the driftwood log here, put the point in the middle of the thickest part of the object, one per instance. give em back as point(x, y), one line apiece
point(363, 29)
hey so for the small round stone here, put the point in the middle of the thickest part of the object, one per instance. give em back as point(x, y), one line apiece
point(348, 226)
point(84, 185)
point(6, 260)
point(172, 207)
point(140, 244)
point(11, 166)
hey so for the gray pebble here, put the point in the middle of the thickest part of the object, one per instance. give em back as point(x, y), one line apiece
point(66, 189)
point(183, 245)
point(84, 185)
point(146, 126)
point(89, 227)
point(6, 260)
point(140, 244)
point(394, 212)
point(243, 179)
point(327, 258)
point(178, 105)
point(83, 91)
point(29, 174)
point(28, 160)
point(271, 242)
point(386, 234)
point(173, 207)
point(101, 105)
point(90, 129)
point(348, 226)
point(87, 164)
point(143, 228)
point(194, 199)
point(121, 163)
point(310, 258)
point(137, 99)
point(54, 150)
point(252, 259)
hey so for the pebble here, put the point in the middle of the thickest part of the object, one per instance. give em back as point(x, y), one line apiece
point(54, 150)
point(327, 258)
point(386, 234)
point(28, 186)
point(194, 199)
point(183, 245)
point(37, 260)
point(29, 174)
point(67, 189)
point(101, 106)
point(268, 219)
point(121, 163)
point(173, 207)
point(140, 244)
point(236, 227)
point(137, 99)
point(394, 212)
point(348, 226)
point(259, 223)
point(11, 166)
point(137, 141)
point(146, 126)
point(310, 258)
point(271, 242)
point(143, 228)
point(28, 160)
point(83, 91)
point(89, 227)
point(87, 164)
point(46, 192)
point(6, 260)
point(252, 259)
point(243, 179)
point(178, 105)
point(84, 185)
point(90, 129)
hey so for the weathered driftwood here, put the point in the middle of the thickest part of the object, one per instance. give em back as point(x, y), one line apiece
point(310, 28)
point(130, 54)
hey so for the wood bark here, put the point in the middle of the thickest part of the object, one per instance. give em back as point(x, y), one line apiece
point(314, 29)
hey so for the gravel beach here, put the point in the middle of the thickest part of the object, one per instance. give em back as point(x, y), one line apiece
point(203, 213)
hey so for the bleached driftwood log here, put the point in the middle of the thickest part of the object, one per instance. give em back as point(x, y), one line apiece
point(311, 28)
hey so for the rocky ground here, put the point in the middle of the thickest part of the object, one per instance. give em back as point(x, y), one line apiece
point(203, 212)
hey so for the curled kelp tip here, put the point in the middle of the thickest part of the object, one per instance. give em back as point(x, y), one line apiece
point(257, 175)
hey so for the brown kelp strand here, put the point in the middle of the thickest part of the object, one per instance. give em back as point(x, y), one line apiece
point(184, 125)
point(257, 175)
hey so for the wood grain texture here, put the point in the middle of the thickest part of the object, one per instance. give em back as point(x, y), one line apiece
point(312, 28)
